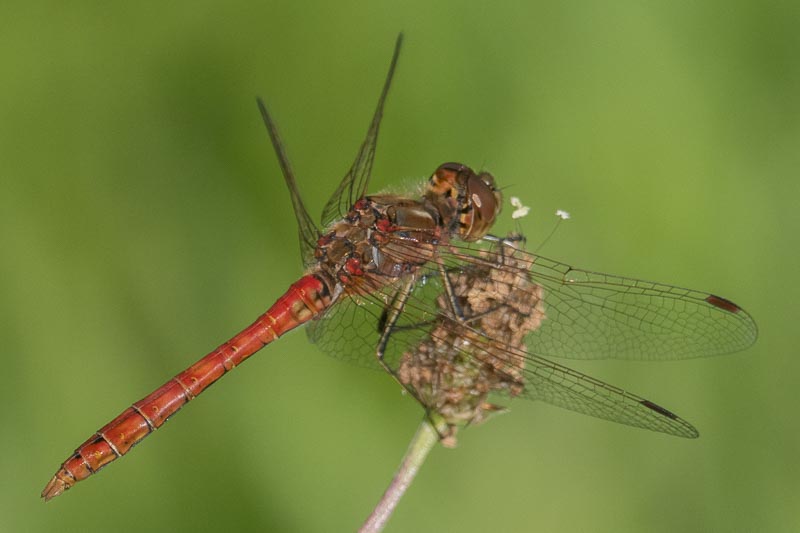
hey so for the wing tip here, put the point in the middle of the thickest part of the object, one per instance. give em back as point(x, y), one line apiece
point(685, 429)
point(723, 303)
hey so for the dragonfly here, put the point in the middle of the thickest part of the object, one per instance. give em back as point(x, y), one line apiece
point(417, 286)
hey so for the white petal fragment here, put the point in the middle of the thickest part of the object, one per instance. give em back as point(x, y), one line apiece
point(519, 209)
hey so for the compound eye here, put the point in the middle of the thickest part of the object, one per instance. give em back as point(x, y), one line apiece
point(448, 181)
point(485, 202)
point(446, 176)
point(488, 179)
point(453, 167)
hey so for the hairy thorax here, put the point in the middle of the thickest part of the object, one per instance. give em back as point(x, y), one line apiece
point(382, 236)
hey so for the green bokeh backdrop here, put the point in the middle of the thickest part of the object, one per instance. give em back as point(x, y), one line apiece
point(143, 220)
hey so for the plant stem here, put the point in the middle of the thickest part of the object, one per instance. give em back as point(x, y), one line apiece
point(422, 443)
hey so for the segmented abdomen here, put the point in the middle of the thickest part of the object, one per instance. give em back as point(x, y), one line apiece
point(304, 300)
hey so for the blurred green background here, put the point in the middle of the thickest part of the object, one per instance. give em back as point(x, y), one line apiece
point(143, 221)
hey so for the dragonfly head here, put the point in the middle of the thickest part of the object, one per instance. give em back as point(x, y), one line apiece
point(467, 202)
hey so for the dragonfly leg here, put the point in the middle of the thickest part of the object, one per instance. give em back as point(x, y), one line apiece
point(388, 325)
point(455, 307)
point(457, 311)
point(506, 241)
point(388, 322)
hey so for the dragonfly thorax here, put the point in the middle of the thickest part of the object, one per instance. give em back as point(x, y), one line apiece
point(390, 235)
point(383, 235)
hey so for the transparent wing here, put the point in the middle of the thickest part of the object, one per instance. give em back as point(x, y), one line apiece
point(306, 229)
point(355, 182)
point(350, 329)
point(511, 308)
point(569, 389)
point(594, 316)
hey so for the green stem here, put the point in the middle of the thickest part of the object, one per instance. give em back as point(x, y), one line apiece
point(422, 443)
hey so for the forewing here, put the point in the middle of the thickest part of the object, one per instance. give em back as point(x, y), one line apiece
point(354, 184)
point(593, 316)
point(645, 319)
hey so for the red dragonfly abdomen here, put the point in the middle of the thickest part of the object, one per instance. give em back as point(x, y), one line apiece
point(304, 300)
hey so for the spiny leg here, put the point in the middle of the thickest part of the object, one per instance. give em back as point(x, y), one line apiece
point(455, 307)
point(388, 322)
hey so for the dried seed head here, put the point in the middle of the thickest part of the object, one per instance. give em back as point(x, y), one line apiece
point(454, 369)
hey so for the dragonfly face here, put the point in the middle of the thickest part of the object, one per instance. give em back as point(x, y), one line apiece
point(467, 202)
